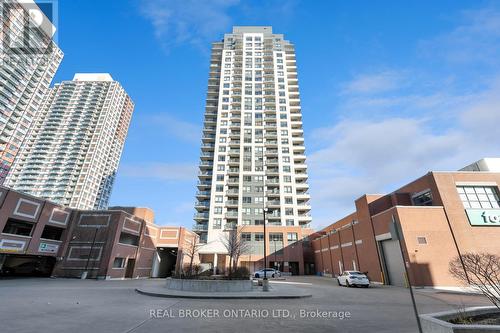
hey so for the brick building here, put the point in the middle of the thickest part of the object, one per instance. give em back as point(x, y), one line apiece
point(440, 215)
point(39, 237)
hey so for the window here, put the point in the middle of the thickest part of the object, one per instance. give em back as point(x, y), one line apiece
point(288, 200)
point(247, 237)
point(479, 196)
point(217, 210)
point(422, 199)
point(119, 262)
point(128, 239)
point(292, 237)
point(247, 211)
point(247, 200)
point(218, 198)
point(275, 237)
point(289, 222)
point(220, 178)
point(259, 237)
point(15, 227)
point(217, 223)
point(289, 211)
point(50, 232)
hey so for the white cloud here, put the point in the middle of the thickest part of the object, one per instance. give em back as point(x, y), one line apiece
point(374, 83)
point(182, 130)
point(366, 156)
point(160, 171)
point(188, 21)
point(475, 40)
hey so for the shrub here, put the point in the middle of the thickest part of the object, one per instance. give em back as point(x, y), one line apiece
point(240, 273)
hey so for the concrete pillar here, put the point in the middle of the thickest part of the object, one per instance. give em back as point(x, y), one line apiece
point(3, 257)
point(156, 265)
point(215, 264)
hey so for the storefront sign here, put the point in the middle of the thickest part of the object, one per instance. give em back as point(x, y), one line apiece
point(48, 248)
point(483, 217)
point(10, 245)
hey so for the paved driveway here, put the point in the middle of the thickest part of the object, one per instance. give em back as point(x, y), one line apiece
point(65, 305)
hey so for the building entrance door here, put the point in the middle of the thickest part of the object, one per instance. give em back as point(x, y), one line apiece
point(393, 263)
point(294, 267)
point(129, 272)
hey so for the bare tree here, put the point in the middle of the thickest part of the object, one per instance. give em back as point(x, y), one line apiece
point(235, 246)
point(481, 271)
point(191, 248)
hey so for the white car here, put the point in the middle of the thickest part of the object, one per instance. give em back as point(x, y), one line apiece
point(353, 278)
point(270, 273)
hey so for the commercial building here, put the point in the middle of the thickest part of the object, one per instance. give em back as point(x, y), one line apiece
point(39, 237)
point(438, 216)
point(73, 150)
point(29, 60)
point(252, 153)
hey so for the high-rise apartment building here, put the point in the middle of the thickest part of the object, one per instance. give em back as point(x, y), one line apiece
point(72, 153)
point(29, 59)
point(252, 153)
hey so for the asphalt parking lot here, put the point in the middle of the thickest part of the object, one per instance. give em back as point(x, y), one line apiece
point(66, 305)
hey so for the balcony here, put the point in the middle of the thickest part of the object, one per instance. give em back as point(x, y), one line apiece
point(233, 192)
point(204, 174)
point(273, 203)
point(230, 226)
point(201, 204)
point(273, 193)
point(206, 164)
point(201, 216)
point(234, 161)
point(200, 227)
point(232, 203)
point(232, 214)
point(231, 171)
point(207, 156)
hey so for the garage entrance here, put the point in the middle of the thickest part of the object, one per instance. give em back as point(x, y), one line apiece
point(164, 262)
point(393, 263)
point(26, 265)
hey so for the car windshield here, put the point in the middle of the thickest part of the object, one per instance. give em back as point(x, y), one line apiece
point(356, 273)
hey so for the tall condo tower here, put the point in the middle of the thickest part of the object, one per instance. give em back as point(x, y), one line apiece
point(252, 152)
point(29, 59)
point(72, 153)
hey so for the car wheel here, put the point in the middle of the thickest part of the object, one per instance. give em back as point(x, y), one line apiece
point(347, 284)
point(257, 276)
point(338, 282)
point(272, 275)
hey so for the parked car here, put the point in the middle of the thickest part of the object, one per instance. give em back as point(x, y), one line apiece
point(353, 278)
point(270, 273)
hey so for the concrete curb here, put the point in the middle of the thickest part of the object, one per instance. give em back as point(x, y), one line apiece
point(192, 295)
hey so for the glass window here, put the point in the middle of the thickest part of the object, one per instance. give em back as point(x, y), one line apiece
point(479, 196)
point(291, 237)
point(422, 199)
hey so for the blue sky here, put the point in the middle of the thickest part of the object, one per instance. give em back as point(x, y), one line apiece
point(390, 89)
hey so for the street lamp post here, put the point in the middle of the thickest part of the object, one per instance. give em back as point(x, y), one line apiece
point(265, 282)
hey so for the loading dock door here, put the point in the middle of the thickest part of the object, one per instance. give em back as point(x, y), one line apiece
point(393, 263)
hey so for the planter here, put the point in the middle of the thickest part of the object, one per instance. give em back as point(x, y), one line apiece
point(209, 285)
point(438, 322)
